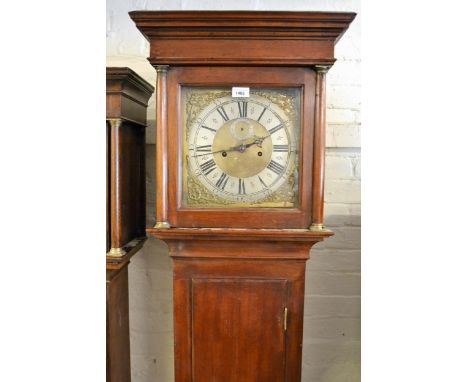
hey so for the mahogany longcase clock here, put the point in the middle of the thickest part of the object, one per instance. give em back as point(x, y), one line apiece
point(240, 143)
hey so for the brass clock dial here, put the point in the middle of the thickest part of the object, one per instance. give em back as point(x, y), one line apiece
point(241, 151)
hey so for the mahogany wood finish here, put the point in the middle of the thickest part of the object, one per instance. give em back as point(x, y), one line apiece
point(126, 99)
point(117, 326)
point(239, 273)
point(230, 315)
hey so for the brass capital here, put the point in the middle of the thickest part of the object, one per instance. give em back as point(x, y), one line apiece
point(114, 122)
point(322, 69)
point(161, 68)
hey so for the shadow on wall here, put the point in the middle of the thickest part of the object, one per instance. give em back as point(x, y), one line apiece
point(332, 308)
point(151, 327)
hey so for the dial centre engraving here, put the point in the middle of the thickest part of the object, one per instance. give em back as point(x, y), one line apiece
point(242, 159)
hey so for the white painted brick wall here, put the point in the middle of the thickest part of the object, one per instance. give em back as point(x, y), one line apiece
point(331, 350)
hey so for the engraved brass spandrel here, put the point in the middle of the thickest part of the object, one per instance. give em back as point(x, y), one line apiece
point(196, 101)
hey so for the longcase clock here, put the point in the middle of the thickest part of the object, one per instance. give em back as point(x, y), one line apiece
point(127, 97)
point(240, 149)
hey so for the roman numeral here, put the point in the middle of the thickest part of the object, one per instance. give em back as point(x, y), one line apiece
point(241, 187)
point(208, 128)
point(242, 108)
point(275, 129)
point(222, 181)
point(261, 114)
point(223, 113)
point(275, 167)
point(204, 149)
point(208, 167)
point(281, 148)
point(262, 182)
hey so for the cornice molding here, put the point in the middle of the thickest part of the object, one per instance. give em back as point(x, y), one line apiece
point(125, 74)
point(242, 24)
point(256, 38)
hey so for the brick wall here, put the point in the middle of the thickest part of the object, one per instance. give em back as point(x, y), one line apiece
point(332, 304)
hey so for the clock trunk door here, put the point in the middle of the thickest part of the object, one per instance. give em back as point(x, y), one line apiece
point(238, 330)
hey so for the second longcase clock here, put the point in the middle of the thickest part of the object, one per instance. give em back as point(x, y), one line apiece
point(240, 168)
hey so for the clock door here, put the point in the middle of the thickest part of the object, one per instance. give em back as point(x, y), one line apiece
point(238, 329)
point(240, 162)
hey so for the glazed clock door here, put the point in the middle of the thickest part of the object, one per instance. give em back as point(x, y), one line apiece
point(242, 141)
point(238, 329)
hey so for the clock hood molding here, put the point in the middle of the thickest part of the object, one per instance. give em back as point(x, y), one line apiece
point(218, 37)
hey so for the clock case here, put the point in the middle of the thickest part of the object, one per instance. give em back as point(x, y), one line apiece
point(127, 96)
point(238, 291)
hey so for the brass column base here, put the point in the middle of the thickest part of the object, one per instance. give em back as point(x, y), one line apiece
point(116, 252)
point(317, 227)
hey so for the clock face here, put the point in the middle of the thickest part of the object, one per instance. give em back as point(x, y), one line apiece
point(241, 151)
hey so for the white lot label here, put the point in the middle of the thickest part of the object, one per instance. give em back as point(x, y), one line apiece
point(240, 92)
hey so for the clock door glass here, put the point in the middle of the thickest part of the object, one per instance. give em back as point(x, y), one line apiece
point(240, 151)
